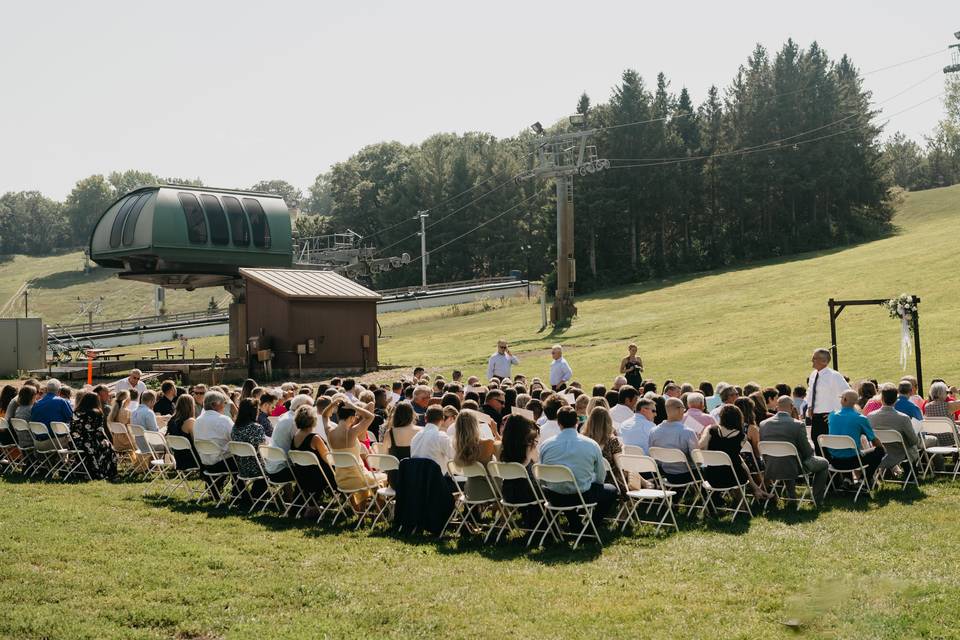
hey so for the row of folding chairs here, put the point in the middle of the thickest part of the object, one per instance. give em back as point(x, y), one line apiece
point(29, 448)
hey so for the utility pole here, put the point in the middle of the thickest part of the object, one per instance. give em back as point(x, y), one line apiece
point(955, 56)
point(423, 215)
point(26, 305)
point(561, 157)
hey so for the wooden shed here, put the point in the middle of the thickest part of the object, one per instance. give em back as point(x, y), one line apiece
point(317, 320)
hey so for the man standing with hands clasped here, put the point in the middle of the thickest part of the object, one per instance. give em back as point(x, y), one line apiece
point(500, 362)
point(825, 387)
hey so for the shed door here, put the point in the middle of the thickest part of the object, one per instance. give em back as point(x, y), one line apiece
point(8, 347)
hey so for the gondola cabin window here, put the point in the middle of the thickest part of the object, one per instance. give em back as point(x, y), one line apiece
point(196, 223)
point(219, 232)
point(117, 229)
point(238, 222)
point(258, 223)
point(130, 226)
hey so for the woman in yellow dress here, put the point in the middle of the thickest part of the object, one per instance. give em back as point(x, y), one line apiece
point(353, 421)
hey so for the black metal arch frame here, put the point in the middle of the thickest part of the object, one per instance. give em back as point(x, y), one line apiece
point(836, 308)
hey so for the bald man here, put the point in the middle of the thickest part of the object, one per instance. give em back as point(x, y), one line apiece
point(783, 428)
point(673, 434)
point(847, 421)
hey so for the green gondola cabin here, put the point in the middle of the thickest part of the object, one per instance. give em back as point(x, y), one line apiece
point(187, 237)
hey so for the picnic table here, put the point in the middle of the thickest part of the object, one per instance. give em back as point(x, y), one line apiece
point(166, 352)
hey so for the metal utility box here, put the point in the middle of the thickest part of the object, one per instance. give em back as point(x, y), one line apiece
point(23, 345)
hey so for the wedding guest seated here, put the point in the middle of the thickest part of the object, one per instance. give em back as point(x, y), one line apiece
point(728, 437)
point(283, 433)
point(51, 407)
point(267, 401)
point(636, 431)
point(306, 438)
point(627, 397)
point(584, 458)
point(344, 436)
point(143, 415)
point(887, 417)
point(212, 425)
point(88, 431)
point(520, 439)
point(181, 424)
point(432, 442)
point(402, 429)
point(599, 428)
point(905, 403)
point(672, 434)
point(22, 406)
point(847, 422)
point(782, 427)
point(696, 403)
point(550, 427)
point(168, 393)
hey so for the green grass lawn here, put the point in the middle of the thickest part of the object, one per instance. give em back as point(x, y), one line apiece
point(758, 322)
point(99, 560)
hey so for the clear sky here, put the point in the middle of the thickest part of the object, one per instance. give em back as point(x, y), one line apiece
point(234, 92)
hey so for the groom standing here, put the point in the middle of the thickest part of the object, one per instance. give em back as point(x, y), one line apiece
point(825, 387)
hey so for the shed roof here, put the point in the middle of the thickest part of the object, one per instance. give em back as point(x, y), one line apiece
point(309, 284)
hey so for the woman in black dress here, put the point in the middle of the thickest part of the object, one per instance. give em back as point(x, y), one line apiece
point(307, 439)
point(728, 437)
point(632, 367)
point(181, 424)
point(89, 434)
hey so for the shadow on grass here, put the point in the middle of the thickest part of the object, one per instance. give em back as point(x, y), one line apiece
point(64, 279)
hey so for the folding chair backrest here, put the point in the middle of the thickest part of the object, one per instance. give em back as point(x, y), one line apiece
point(39, 429)
point(22, 432)
point(837, 442)
point(890, 436)
point(207, 448)
point(304, 458)
point(383, 462)
point(273, 454)
point(636, 464)
point(179, 443)
point(662, 455)
point(344, 459)
point(62, 433)
point(633, 450)
point(937, 425)
point(508, 470)
point(5, 426)
point(139, 439)
point(708, 458)
point(553, 473)
point(475, 470)
point(156, 442)
point(241, 449)
point(776, 449)
point(120, 436)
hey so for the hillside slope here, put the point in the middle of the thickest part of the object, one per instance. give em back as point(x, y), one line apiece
point(758, 322)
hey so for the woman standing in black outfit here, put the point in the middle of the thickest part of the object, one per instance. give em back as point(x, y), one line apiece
point(632, 367)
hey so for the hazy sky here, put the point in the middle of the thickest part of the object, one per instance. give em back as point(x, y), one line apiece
point(234, 92)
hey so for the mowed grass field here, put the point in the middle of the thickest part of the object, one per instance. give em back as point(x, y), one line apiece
point(758, 322)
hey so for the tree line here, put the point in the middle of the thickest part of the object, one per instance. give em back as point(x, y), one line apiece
point(787, 157)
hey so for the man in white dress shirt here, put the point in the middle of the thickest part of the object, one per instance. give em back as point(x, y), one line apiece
point(626, 405)
point(212, 425)
point(560, 371)
point(550, 428)
point(132, 381)
point(432, 443)
point(824, 388)
point(500, 362)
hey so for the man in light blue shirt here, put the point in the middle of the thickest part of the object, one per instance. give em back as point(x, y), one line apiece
point(904, 404)
point(636, 431)
point(847, 421)
point(500, 362)
point(673, 434)
point(560, 371)
point(585, 460)
point(143, 415)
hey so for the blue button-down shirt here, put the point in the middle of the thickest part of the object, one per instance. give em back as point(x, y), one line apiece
point(560, 371)
point(52, 408)
point(578, 453)
point(905, 406)
point(144, 417)
point(847, 422)
point(675, 435)
point(636, 431)
point(499, 365)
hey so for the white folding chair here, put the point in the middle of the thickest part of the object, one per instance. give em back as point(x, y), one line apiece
point(142, 455)
point(306, 462)
point(183, 474)
point(633, 450)
point(646, 497)
point(892, 441)
point(122, 442)
point(936, 426)
point(471, 508)
point(73, 460)
point(664, 456)
point(839, 443)
point(516, 472)
point(347, 460)
point(160, 463)
point(558, 474)
point(276, 455)
point(244, 451)
point(9, 456)
point(46, 448)
point(212, 451)
point(777, 449)
point(387, 496)
point(29, 457)
point(706, 458)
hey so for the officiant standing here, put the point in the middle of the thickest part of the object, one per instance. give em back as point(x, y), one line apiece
point(632, 367)
point(824, 389)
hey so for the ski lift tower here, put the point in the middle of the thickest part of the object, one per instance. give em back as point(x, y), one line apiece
point(954, 67)
point(562, 156)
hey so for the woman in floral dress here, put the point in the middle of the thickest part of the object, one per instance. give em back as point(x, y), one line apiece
point(88, 431)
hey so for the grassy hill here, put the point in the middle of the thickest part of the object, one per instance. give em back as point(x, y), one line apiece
point(755, 322)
